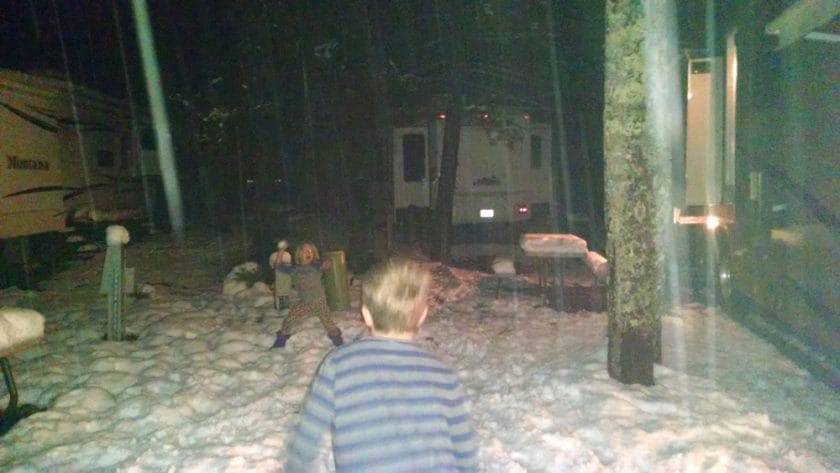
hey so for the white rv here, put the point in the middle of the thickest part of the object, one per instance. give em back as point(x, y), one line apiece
point(66, 156)
point(504, 168)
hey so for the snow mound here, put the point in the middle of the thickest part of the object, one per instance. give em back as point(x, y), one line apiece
point(19, 328)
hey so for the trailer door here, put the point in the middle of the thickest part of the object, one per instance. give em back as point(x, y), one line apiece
point(704, 133)
point(411, 168)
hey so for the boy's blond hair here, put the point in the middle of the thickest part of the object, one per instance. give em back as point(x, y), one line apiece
point(302, 247)
point(395, 295)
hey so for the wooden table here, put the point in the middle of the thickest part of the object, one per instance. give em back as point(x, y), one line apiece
point(550, 252)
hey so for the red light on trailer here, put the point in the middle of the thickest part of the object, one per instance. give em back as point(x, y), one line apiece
point(442, 116)
point(522, 209)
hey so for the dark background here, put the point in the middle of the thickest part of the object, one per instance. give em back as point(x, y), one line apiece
point(244, 81)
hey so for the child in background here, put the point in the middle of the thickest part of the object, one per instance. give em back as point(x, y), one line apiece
point(306, 278)
point(281, 262)
point(389, 404)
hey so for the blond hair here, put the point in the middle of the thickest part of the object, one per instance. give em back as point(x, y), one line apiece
point(303, 246)
point(395, 294)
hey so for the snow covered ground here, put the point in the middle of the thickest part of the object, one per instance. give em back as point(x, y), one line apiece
point(199, 390)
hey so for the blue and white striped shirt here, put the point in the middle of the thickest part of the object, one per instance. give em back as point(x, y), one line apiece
point(390, 406)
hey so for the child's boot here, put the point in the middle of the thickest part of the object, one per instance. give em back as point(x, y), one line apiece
point(335, 336)
point(280, 341)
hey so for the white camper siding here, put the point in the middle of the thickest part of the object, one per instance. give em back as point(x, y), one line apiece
point(69, 126)
point(90, 186)
point(491, 176)
point(30, 176)
point(92, 123)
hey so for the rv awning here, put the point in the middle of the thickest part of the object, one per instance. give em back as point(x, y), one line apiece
point(811, 19)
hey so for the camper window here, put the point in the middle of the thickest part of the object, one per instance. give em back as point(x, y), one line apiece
point(414, 157)
point(536, 151)
point(105, 159)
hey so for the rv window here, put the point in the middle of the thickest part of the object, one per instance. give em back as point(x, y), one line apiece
point(414, 157)
point(105, 159)
point(536, 151)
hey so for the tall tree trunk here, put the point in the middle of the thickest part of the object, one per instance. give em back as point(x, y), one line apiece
point(309, 148)
point(384, 124)
point(560, 127)
point(442, 219)
point(633, 302)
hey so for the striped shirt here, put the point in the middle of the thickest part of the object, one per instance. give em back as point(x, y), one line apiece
point(390, 406)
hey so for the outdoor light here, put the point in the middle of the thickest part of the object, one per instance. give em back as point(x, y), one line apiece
point(442, 116)
point(712, 222)
point(486, 213)
point(523, 209)
point(526, 117)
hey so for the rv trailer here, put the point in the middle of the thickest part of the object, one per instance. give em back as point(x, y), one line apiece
point(503, 179)
point(760, 185)
point(68, 159)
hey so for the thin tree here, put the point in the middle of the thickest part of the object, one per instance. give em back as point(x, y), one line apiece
point(442, 218)
point(383, 119)
point(560, 128)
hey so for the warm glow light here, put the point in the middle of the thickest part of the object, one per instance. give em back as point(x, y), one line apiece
point(442, 116)
point(526, 117)
point(712, 222)
point(523, 209)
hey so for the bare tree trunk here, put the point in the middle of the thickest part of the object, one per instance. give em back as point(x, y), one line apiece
point(561, 129)
point(243, 220)
point(634, 285)
point(384, 124)
point(310, 149)
point(442, 220)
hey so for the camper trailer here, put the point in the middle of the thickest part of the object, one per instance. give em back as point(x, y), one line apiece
point(504, 174)
point(68, 156)
point(760, 185)
point(67, 159)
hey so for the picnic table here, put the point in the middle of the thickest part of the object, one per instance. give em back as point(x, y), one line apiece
point(19, 329)
point(550, 252)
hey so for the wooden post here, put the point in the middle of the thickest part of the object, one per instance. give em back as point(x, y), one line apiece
point(115, 302)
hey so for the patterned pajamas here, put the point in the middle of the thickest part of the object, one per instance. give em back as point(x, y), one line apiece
point(312, 301)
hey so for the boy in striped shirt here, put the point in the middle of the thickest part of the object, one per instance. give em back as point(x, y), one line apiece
point(389, 404)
